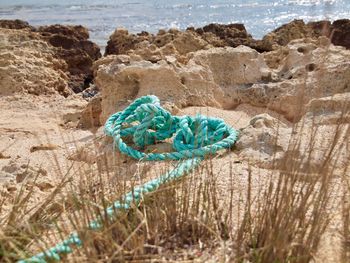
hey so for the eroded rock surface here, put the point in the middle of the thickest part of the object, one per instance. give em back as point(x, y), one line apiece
point(284, 80)
point(202, 81)
point(264, 141)
point(72, 45)
point(153, 47)
point(307, 69)
point(15, 24)
point(28, 64)
point(337, 32)
point(67, 43)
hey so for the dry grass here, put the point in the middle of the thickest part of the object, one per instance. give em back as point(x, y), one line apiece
point(283, 221)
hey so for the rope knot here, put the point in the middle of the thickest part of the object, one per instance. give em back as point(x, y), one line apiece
point(147, 122)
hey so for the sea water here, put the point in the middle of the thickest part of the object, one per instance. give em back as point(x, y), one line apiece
point(103, 16)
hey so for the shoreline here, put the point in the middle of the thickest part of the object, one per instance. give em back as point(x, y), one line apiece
point(103, 42)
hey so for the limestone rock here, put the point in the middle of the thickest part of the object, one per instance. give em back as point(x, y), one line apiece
point(331, 110)
point(28, 64)
point(307, 69)
point(69, 43)
point(340, 33)
point(90, 116)
point(264, 141)
point(203, 80)
point(232, 35)
point(337, 32)
point(179, 43)
point(121, 41)
point(154, 47)
point(284, 80)
point(15, 24)
point(283, 35)
point(72, 45)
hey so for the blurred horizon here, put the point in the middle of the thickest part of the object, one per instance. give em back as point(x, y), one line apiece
point(101, 17)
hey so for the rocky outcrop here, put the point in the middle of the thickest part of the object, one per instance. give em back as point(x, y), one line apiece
point(232, 35)
point(283, 35)
point(201, 81)
point(331, 110)
point(90, 117)
point(264, 141)
point(153, 47)
point(179, 43)
point(72, 45)
point(308, 69)
point(338, 32)
point(121, 41)
point(284, 80)
point(15, 24)
point(68, 43)
point(29, 65)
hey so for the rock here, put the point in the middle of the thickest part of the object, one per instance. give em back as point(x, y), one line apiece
point(233, 35)
point(29, 65)
point(338, 32)
point(69, 43)
point(325, 105)
point(15, 24)
point(72, 32)
point(283, 35)
point(179, 43)
point(72, 45)
point(44, 185)
point(154, 47)
point(321, 28)
point(307, 69)
point(331, 110)
point(264, 141)
point(226, 77)
point(201, 81)
point(121, 41)
point(90, 116)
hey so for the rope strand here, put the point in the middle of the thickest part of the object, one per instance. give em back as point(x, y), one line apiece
point(148, 123)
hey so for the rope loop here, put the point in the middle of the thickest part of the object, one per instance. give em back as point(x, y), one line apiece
point(148, 123)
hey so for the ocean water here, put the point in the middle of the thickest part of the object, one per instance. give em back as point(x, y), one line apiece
point(103, 16)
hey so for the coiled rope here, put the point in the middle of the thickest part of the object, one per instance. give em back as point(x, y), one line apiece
point(147, 122)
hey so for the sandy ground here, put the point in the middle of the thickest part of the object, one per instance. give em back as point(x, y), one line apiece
point(40, 133)
point(36, 129)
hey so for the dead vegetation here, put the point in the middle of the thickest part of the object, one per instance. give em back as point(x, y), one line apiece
point(282, 218)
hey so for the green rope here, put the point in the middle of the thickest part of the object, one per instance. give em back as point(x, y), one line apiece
point(147, 122)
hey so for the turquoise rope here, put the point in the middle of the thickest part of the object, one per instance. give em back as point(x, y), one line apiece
point(147, 122)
